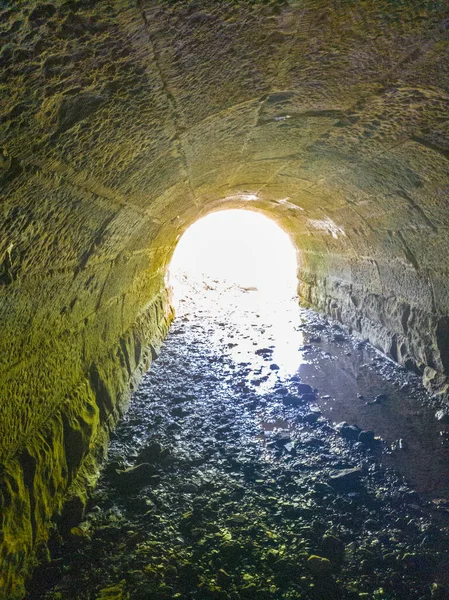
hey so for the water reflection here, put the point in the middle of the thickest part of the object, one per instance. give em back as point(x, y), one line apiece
point(278, 338)
point(255, 320)
point(272, 342)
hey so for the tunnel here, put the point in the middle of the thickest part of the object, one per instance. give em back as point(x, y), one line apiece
point(124, 122)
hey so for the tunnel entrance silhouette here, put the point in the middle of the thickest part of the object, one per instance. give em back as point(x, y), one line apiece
point(236, 267)
point(235, 248)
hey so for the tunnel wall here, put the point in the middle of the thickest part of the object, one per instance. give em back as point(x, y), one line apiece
point(407, 333)
point(123, 122)
point(57, 461)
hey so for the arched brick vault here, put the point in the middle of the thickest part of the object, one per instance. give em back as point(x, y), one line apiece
point(123, 122)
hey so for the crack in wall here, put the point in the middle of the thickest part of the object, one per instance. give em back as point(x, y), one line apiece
point(411, 259)
point(418, 209)
point(179, 127)
point(431, 145)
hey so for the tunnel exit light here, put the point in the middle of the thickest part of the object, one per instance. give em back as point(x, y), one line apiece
point(236, 248)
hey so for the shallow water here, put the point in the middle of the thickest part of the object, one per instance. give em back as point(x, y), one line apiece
point(262, 334)
point(416, 444)
point(218, 487)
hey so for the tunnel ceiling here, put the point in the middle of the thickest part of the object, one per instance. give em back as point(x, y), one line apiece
point(122, 122)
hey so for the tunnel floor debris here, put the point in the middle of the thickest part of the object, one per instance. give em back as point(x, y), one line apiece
point(233, 474)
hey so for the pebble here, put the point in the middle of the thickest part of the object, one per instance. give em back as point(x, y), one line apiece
point(150, 453)
point(314, 442)
point(311, 417)
point(136, 476)
point(113, 592)
point(303, 388)
point(350, 432)
point(346, 479)
point(291, 400)
point(367, 438)
point(442, 416)
point(179, 411)
point(318, 565)
point(333, 548)
point(338, 337)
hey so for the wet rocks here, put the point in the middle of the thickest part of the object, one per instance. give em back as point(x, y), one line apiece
point(302, 394)
point(313, 442)
point(282, 437)
point(346, 480)
point(333, 548)
point(348, 432)
point(338, 337)
point(442, 416)
point(355, 434)
point(324, 489)
point(308, 397)
point(179, 411)
point(417, 561)
point(134, 477)
point(78, 536)
point(265, 352)
point(379, 399)
point(305, 348)
point(303, 388)
point(113, 592)
point(182, 399)
point(311, 417)
point(367, 438)
point(292, 400)
point(319, 566)
point(252, 495)
point(152, 453)
point(399, 444)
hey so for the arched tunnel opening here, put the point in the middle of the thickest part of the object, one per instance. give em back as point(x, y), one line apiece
point(236, 248)
point(122, 125)
point(239, 266)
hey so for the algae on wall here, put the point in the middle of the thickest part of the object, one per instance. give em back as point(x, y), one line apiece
point(52, 475)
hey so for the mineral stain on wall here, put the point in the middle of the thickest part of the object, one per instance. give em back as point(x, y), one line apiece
point(122, 123)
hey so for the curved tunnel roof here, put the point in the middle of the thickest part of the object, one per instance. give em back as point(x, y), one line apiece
point(122, 123)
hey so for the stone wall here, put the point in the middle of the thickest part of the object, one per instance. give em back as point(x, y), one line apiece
point(50, 476)
point(408, 334)
point(121, 122)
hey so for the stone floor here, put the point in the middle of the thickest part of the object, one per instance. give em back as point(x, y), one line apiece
point(267, 455)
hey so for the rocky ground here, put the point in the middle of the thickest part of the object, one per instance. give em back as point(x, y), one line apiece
point(227, 478)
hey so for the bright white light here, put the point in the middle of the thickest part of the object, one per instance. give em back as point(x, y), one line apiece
point(238, 247)
point(241, 266)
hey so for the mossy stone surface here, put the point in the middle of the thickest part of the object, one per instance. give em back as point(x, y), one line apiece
point(121, 123)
